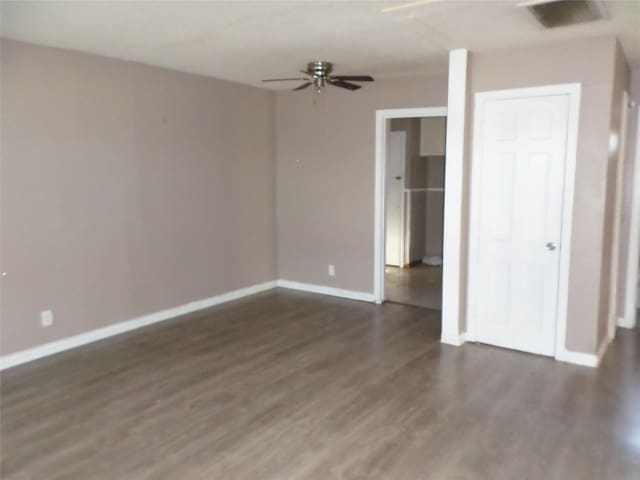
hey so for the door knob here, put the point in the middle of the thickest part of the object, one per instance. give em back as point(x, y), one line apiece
point(398, 178)
point(551, 246)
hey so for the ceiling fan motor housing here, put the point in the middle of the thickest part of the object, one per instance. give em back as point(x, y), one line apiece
point(319, 70)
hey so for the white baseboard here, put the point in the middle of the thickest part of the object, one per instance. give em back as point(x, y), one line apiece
point(628, 321)
point(455, 340)
point(68, 343)
point(57, 346)
point(586, 359)
point(578, 358)
point(324, 290)
point(24, 356)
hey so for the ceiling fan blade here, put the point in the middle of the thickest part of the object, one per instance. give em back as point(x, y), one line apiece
point(342, 84)
point(303, 86)
point(354, 78)
point(297, 79)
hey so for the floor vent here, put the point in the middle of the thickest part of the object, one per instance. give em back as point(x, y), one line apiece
point(561, 13)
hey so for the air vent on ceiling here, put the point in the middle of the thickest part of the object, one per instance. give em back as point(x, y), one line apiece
point(560, 13)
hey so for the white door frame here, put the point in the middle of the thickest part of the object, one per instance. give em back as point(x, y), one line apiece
point(382, 118)
point(631, 283)
point(572, 90)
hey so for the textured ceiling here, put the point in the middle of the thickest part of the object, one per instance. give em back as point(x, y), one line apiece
point(247, 41)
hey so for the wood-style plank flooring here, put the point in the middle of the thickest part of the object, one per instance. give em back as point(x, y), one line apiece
point(419, 285)
point(287, 385)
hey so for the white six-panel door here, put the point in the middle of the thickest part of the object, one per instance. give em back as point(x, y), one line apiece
point(517, 209)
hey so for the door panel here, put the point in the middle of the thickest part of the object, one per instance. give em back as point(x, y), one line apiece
point(520, 170)
point(395, 165)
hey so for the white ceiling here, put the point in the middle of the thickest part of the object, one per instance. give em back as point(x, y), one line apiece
point(248, 41)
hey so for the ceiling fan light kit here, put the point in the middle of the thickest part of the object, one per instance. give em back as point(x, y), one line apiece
point(319, 74)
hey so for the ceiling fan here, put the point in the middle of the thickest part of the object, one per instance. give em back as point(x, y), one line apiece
point(319, 75)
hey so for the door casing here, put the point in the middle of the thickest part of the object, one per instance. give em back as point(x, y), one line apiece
point(382, 124)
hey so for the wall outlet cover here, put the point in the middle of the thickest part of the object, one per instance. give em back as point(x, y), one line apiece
point(46, 318)
point(332, 270)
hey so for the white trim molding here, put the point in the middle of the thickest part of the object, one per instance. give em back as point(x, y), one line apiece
point(586, 359)
point(68, 343)
point(382, 119)
point(30, 354)
point(578, 358)
point(455, 340)
point(325, 290)
point(572, 90)
point(453, 195)
point(57, 346)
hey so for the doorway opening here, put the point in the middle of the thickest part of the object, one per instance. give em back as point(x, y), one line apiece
point(409, 267)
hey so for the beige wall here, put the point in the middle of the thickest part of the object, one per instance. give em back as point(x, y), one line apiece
point(416, 219)
point(620, 85)
point(590, 62)
point(325, 177)
point(629, 169)
point(325, 170)
point(126, 190)
point(433, 135)
point(435, 206)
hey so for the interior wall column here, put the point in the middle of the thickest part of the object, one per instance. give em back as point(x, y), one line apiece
point(453, 278)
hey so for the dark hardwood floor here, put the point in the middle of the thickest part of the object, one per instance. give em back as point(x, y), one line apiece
point(287, 385)
point(420, 285)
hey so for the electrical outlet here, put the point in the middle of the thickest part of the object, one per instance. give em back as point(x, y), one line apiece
point(46, 318)
point(332, 270)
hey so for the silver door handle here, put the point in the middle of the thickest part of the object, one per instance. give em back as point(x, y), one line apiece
point(551, 246)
